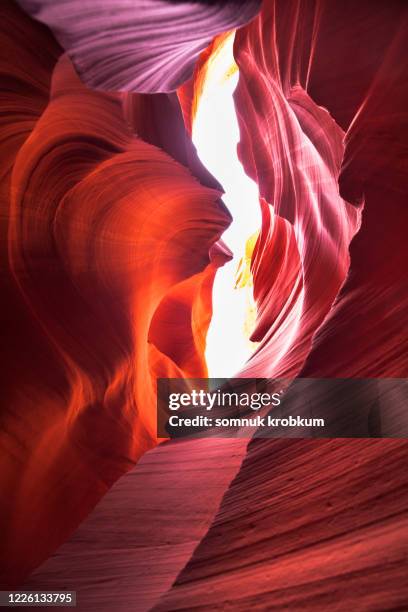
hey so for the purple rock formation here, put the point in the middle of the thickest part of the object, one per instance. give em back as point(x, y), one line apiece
point(137, 45)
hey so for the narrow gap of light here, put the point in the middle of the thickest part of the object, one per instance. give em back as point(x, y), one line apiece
point(215, 135)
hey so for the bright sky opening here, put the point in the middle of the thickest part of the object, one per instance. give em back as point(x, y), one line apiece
point(216, 134)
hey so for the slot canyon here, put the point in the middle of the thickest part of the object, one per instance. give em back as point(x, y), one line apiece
point(196, 189)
